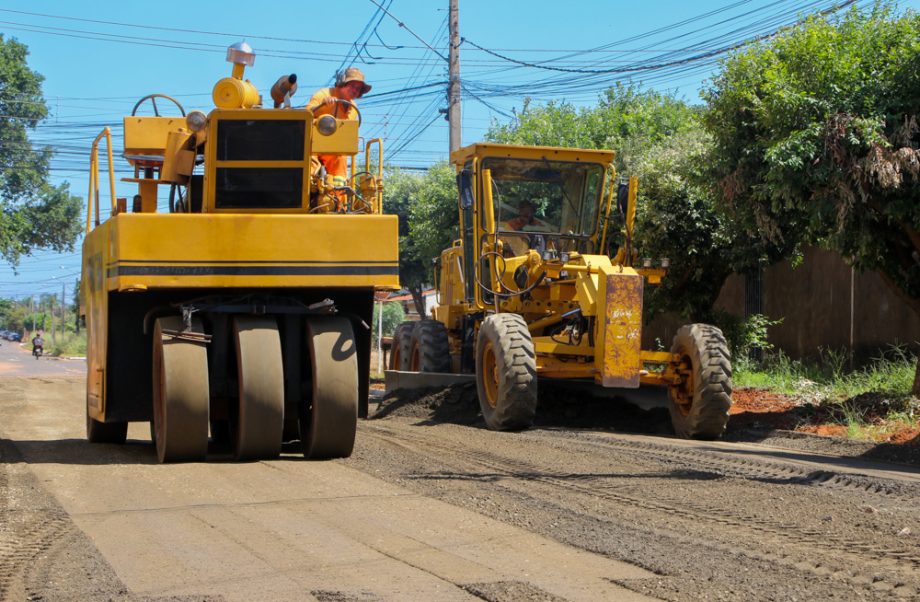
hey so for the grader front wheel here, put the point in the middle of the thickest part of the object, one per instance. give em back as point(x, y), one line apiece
point(329, 420)
point(179, 428)
point(699, 405)
point(259, 421)
point(506, 373)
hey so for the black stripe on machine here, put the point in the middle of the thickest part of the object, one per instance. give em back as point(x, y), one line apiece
point(253, 270)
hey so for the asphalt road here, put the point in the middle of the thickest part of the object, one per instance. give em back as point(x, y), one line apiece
point(17, 360)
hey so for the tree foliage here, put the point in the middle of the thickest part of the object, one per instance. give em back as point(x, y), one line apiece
point(816, 140)
point(427, 208)
point(626, 119)
point(393, 315)
point(33, 213)
point(659, 138)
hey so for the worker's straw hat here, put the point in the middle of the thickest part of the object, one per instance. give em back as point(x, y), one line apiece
point(353, 74)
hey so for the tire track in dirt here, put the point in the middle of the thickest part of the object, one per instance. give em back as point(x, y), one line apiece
point(780, 542)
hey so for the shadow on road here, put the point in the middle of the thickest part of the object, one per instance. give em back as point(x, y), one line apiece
point(134, 451)
point(77, 451)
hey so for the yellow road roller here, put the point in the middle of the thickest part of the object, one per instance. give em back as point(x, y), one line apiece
point(228, 301)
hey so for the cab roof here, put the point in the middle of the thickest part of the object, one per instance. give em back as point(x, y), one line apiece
point(549, 153)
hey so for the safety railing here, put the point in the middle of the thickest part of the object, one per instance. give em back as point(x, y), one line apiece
point(378, 198)
point(92, 199)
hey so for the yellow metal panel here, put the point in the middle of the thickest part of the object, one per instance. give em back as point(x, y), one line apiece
point(344, 141)
point(554, 367)
point(659, 357)
point(94, 295)
point(620, 344)
point(550, 153)
point(149, 134)
point(588, 283)
point(242, 250)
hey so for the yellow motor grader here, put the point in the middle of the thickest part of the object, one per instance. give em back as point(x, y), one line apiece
point(528, 292)
point(229, 299)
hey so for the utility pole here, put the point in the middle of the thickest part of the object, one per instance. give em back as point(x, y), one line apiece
point(453, 88)
point(63, 310)
point(76, 312)
point(32, 312)
point(51, 313)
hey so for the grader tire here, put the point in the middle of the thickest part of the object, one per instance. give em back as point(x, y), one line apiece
point(699, 407)
point(506, 373)
point(430, 350)
point(401, 351)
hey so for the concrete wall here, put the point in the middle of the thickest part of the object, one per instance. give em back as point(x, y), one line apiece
point(819, 301)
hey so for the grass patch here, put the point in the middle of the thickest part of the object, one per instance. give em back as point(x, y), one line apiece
point(68, 345)
point(871, 402)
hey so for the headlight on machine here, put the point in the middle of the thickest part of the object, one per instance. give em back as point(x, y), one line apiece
point(326, 125)
point(196, 121)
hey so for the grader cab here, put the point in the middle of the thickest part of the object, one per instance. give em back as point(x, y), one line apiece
point(528, 291)
point(228, 303)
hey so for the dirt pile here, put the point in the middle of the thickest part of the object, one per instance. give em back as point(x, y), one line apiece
point(561, 405)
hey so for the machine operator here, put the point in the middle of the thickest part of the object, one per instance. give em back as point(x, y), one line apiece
point(349, 86)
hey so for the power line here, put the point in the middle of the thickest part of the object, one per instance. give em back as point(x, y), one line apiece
point(407, 28)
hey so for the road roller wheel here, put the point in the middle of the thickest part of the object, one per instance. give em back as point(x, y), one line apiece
point(180, 392)
point(506, 373)
point(401, 348)
point(329, 420)
point(260, 419)
point(105, 432)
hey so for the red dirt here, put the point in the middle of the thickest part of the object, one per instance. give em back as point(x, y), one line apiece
point(756, 408)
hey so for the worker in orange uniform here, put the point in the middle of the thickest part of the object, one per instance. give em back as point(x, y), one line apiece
point(349, 86)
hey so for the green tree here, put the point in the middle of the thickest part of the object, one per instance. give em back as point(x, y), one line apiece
point(427, 208)
point(393, 315)
point(626, 119)
point(33, 213)
point(816, 138)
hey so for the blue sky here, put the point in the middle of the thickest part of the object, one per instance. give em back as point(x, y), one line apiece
point(98, 58)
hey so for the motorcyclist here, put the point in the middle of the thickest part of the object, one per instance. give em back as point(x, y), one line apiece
point(38, 345)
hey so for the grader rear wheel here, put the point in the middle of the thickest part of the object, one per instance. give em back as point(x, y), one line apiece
point(699, 405)
point(260, 417)
point(180, 392)
point(430, 348)
point(329, 420)
point(506, 373)
point(401, 350)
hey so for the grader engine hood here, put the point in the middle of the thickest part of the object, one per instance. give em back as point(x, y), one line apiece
point(613, 294)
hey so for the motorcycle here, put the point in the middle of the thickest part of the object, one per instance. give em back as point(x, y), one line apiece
point(38, 348)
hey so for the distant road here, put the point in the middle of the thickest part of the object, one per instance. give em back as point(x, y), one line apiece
point(18, 361)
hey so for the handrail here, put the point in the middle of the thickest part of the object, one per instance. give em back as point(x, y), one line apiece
point(92, 200)
point(378, 201)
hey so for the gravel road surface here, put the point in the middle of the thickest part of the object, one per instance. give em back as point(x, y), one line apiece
point(434, 506)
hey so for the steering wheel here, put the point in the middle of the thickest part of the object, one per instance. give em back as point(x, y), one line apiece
point(352, 105)
point(153, 100)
